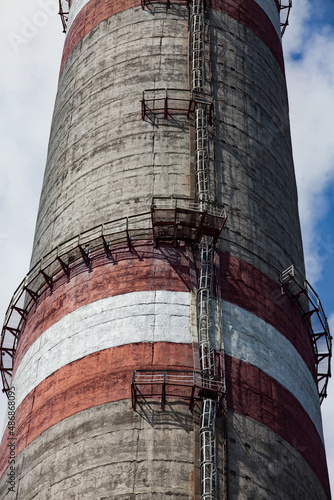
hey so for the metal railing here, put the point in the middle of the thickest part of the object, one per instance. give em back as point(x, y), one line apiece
point(299, 289)
point(170, 203)
point(168, 102)
point(64, 12)
point(82, 248)
point(169, 3)
point(174, 384)
point(285, 8)
point(172, 219)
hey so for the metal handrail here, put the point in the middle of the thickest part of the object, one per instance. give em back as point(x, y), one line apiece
point(285, 9)
point(63, 15)
point(171, 99)
point(168, 2)
point(299, 289)
point(184, 384)
point(62, 259)
point(169, 202)
point(178, 377)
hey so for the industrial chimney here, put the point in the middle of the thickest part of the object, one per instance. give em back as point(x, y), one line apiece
point(165, 342)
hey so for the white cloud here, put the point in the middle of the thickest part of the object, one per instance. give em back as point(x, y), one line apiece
point(311, 91)
point(309, 58)
point(297, 31)
point(27, 91)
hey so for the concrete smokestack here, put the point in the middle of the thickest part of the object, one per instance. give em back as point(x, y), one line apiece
point(165, 343)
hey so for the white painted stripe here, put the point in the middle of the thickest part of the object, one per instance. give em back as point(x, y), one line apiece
point(270, 8)
point(155, 316)
point(159, 316)
point(76, 6)
point(250, 339)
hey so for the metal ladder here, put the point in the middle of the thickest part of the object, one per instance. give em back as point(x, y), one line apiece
point(207, 366)
point(197, 45)
point(201, 155)
point(207, 357)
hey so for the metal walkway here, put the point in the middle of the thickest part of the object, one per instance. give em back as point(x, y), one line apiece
point(179, 219)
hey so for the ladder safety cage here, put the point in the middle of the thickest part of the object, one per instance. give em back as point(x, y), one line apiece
point(204, 292)
point(197, 45)
point(285, 9)
point(64, 10)
point(205, 324)
point(298, 288)
point(208, 450)
point(201, 155)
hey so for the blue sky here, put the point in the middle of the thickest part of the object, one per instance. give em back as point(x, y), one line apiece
point(309, 56)
point(325, 229)
point(31, 43)
point(322, 13)
point(311, 86)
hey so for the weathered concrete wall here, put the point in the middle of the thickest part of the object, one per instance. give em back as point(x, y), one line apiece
point(110, 452)
point(94, 347)
point(98, 378)
point(104, 162)
point(76, 430)
point(252, 476)
point(99, 444)
point(254, 169)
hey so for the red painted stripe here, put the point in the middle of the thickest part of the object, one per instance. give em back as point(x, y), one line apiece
point(93, 13)
point(251, 15)
point(99, 378)
point(106, 376)
point(144, 269)
point(244, 285)
point(247, 12)
point(167, 268)
point(253, 393)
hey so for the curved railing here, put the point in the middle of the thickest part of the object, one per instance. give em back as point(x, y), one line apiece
point(64, 12)
point(285, 9)
point(299, 289)
point(170, 219)
point(184, 384)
